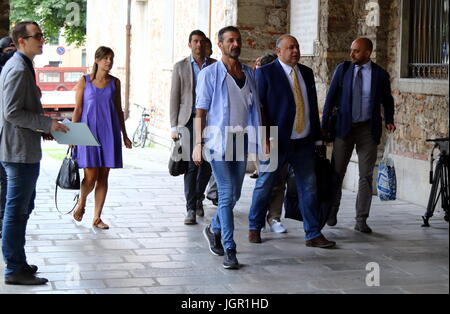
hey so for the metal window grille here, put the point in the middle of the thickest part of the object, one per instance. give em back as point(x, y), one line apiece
point(429, 44)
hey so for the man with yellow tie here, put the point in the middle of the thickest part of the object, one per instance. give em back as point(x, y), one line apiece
point(288, 98)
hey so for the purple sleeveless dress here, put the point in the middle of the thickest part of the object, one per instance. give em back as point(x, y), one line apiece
point(100, 114)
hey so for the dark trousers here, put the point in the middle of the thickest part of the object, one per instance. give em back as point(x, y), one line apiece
point(360, 137)
point(2, 196)
point(196, 177)
point(301, 157)
point(277, 197)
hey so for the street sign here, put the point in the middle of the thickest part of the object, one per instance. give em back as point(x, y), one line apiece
point(60, 50)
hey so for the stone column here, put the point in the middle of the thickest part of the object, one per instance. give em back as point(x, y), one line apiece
point(4, 18)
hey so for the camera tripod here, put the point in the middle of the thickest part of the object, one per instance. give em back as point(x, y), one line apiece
point(439, 180)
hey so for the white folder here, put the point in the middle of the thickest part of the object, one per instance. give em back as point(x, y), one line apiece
point(79, 134)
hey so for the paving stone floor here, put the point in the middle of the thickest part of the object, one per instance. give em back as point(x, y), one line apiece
point(148, 250)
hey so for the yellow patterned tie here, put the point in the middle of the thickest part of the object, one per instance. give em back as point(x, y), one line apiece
point(299, 124)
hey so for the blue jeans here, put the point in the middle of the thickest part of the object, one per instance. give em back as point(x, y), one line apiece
point(20, 195)
point(229, 176)
point(2, 196)
point(301, 157)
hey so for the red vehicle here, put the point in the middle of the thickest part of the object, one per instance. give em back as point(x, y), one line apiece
point(58, 90)
point(58, 79)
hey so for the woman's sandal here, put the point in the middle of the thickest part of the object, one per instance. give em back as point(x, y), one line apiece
point(98, 223)
point(78, 214)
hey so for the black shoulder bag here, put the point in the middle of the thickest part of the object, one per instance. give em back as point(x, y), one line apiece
point(68, 178)
point(177, 166)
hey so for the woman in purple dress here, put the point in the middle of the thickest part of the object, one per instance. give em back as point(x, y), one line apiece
point(98, 103)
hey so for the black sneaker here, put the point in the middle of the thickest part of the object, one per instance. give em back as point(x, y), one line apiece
point(190, 218)
point(230, 261)
point(214, 241)
point(362, 226)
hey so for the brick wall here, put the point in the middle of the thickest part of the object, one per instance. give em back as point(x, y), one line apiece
point(261, 23)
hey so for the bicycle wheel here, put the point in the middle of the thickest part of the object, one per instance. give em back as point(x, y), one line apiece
point(445, 188)
point(435, 194)
point(143, 135)
point(137, 136)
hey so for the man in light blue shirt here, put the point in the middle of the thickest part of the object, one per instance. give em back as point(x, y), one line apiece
point(224, 89)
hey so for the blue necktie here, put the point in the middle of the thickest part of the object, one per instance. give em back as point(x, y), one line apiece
point(357, 96)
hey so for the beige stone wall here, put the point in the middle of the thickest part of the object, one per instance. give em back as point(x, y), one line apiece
point(159, 72)
point(105, 26)
point(151, 64)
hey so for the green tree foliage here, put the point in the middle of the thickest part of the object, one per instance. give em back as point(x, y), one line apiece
point(54, 17)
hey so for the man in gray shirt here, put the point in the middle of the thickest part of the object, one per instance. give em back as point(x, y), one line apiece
point(22, 126)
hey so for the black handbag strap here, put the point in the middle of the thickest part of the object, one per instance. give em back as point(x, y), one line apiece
point(76, 198)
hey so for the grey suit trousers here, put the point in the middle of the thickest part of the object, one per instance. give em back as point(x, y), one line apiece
point(360, 137)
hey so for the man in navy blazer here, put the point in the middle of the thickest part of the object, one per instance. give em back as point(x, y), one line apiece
point(289, 101)
point(357, 92)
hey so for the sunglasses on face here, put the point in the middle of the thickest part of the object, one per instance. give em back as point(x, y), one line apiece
point(37, 36)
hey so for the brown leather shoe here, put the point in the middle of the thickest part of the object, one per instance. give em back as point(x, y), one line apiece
point(254, 236)
point(320, 242)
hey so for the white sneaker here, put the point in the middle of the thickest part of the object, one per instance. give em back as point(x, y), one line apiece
point(277, 227)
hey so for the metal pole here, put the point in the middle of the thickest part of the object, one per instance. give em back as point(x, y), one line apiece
point(128, 63)
point(210, 19)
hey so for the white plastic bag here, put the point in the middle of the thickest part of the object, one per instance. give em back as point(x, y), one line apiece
point(387, 180)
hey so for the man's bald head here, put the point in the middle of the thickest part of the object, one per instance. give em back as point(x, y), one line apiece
point(288, 50)
point(366, 43)
point(361, 50)
point(282, 38)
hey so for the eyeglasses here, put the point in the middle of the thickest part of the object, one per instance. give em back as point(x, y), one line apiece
point(37, 36)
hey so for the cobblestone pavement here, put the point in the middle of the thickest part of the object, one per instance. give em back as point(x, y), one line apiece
point(149, 250)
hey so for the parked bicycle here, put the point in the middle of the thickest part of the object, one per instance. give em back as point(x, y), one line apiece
point(439, 179)
point(141, 133)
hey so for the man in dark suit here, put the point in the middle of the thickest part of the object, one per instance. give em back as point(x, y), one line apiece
point(182, 114)
point(358, 90)
point(289, 101)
